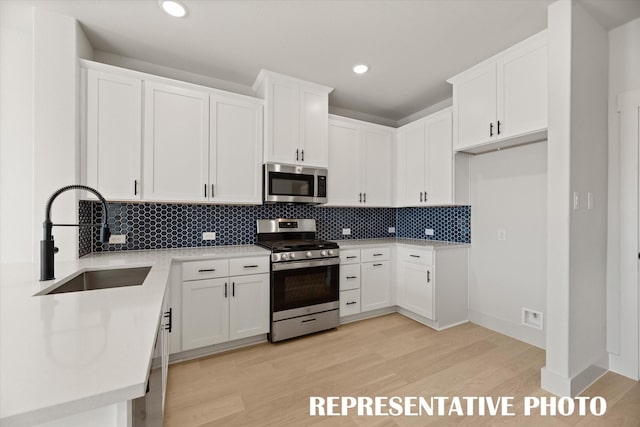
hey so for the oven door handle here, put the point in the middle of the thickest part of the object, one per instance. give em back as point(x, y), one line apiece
point(295, 265)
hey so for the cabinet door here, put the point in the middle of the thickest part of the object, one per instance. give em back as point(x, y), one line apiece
point(343, 185)
point(235, 162)
point(114, 135)
point(283, 138)
point(375, 286)
point(176, 143)
point(414, 148)
point(249, 306)
point(418, 289)
point(205, 312)
point(314, 110)
point(522, 89)
point(475, 107)
point(439, 160)
point(166, 323)
point(376, 157)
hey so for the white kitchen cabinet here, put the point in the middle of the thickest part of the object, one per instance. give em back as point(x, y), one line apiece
point(249, 306)
point(375, 287)
point(205, 312)
point(432, 285)
point(296, 119)
point(235, 153)
point(166, 327)
point(176, 143)
point(502, 101)
point(349, 302)
point(114, 134)
point(360, 161)
point(425, 162)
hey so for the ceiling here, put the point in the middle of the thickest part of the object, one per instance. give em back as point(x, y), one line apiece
point(411, 47)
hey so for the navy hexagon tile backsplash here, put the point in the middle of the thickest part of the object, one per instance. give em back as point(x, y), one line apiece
point(172, 225)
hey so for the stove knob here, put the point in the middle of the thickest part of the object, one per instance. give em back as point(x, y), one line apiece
point(292, 256)
point(330, 251)
point(284, 256)
point(309, 254)
point(276, 257)
point(323, 253)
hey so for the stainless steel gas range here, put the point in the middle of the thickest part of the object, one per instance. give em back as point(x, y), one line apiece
point(305, 275)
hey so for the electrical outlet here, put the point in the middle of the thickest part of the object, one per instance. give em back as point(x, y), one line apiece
point(392, 229)
point(532, 318)
point(117, 239)
point(502, 234)
point(346, 232)
point(429, 232)
point(210, 235)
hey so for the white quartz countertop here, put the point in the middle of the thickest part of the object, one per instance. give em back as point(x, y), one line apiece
point(71, 352)
point(372, 243)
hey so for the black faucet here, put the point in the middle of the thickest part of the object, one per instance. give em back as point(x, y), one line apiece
point(47, 247)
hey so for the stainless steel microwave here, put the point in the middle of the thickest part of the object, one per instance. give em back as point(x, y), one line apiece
point(294, 184)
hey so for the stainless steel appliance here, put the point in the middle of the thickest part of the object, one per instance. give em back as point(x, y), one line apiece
point(294, 184)
point(305, 275)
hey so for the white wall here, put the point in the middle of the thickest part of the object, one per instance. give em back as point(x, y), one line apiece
point(622, 317)
point(577, 163)
point(16, 134)
point(508, 191)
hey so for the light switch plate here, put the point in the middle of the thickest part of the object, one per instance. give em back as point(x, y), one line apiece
point(209, 235)
point(502, 234)
point(117, 239)
point(346, 232)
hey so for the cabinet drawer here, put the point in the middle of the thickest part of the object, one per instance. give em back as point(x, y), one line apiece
point(207, 269)
point(418, 256)
point(380, 254)
point(253, 265)
point(349, 277)
point(350, 256)
point(349, 302)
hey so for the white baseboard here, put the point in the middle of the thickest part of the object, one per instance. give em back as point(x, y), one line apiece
point(197, 353)
point(571, 387)
point(511, 329)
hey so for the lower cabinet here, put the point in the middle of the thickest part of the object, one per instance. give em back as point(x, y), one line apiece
point(216, 310)
point(376, 279)
point(417, 286)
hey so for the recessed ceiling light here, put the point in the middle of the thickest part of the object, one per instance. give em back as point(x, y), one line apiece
point(360, 69)
point(173, 8)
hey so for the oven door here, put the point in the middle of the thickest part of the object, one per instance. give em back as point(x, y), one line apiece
point(302, 287)
point(290, 184)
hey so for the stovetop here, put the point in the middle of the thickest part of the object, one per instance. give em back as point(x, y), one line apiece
point(297, 245)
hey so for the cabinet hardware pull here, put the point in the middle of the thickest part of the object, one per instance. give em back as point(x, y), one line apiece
point(205, 190)
point(425, 196)
point(169, 315)
point(490, 129)
point(498, 127)
point(225, 290)
point(202, 270)
point(360, 197)
point(309, 320)
point(297, 155)
point(377, 265)
point(135, 187)
point(364, 198)
point(352, 302)
point(352, 277)
point(378, 254)
point(251, 266)
point(421, 196)
point(212, 191)
point(302, 155)
point(428, 276)
point(353, 256)
point(233, 289)
point(415, 256)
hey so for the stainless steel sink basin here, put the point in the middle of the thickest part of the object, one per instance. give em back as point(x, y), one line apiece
point(101, 279)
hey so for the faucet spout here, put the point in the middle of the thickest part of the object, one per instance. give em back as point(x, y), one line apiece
point(47, 245)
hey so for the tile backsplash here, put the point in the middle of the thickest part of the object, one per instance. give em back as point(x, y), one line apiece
point(171, 225)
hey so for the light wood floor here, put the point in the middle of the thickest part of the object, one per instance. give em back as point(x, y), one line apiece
point(270, 384)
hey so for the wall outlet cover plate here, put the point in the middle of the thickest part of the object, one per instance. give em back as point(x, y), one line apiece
point(209, 235)
point(346, 232)
point(117, 239)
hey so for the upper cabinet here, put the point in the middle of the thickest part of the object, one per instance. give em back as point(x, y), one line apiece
point(199, 144)
point(360, 163)
point(114, 134)
point(296, 119)
point(502, 101)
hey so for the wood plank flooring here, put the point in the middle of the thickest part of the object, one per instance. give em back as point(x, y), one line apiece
point(270, 384)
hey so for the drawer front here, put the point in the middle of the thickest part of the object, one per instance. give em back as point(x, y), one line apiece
point(252, 265)
point(380, 254)
point(349, 302)
point(207, 269)
point(418, 256)
point(349, 277)
point(350, 256)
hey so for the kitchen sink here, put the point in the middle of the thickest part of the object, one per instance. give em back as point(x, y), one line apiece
point(101, 279)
